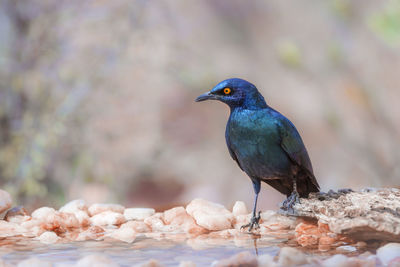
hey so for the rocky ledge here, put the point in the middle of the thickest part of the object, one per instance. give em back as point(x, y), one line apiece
point(371, 214)
point(342, 223)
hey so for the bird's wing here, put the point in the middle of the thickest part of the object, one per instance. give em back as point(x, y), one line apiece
point(232, 153)
point(293, 146)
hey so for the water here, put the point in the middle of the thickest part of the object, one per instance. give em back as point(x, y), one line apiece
point(168, 249)
point(168, 252)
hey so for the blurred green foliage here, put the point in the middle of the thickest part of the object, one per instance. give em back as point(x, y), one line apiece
point(386, 22)
point(96, 97)
point(289, 53)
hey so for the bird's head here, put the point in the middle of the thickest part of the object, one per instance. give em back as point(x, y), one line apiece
point(235, 92)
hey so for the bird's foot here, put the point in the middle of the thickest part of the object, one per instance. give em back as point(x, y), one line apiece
point(254, 223)
point(287, 206)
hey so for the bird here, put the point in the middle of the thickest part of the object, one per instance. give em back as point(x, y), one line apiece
point(265, 144)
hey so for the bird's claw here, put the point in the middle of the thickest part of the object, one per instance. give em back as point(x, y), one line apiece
point(288, 204)
point(254, 223)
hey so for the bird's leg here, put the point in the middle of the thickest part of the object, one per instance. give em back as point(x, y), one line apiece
point(293, 199)
point(254, 221)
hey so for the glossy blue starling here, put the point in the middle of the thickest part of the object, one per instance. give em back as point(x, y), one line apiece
point(264, 143)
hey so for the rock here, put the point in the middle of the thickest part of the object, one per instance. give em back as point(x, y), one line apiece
point(58, 221)
point(138, 213)
point(210, 215)
point(11, 229)
point(244, 258)
point(99, 208)
point(33, 227)
point(395, 262)
point(266, 260)
point(273, 221)
point(69, 219)
point(156, 223)
point(364, 215)
point(74, 205)
point(42, 213)
point(187, 264)
point(388, 252)
point(5, 201)
point(48, 238)
point(95, 260)
point(52, 220)
point(344, 249)
point(239, 208)
point(126, 234)
point(34, 262)
point(137, 226)
point(179, 217)
point(307, 234)
point(151, 263)
point(338, 260)
point(17, 215)
point(79, 208)
point(107, 218)
point(82, 217)
point(290, 257)
point(93, 233)
point(241, 220)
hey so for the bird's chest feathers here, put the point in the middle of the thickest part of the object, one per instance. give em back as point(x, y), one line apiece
point(251, 130)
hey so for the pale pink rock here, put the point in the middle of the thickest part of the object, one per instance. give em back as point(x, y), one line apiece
point(42, 213)
point(92, 233)
point(137, 226)
point(239, 208)
point(74, 205)
point(107, 218)
point(32, 226)
point(187, 264)
point(79, 208)
point(156, 223)
point(11, 229)
point(52, 220)
point(59, 221)
point(179, 217)
point(388, 252)
point(151, 263)
point(82, 217)
point(340, 260)
point(96, 260)
point(244, 258)
point(241, 220)
point(99, 208)
point(5, 201)
point(34, 262)
point(69, 219)
point(138, 213)
point(209, 215)
point(266, 260)
point(125, 234)
point(289, 256)
point(273, 221)
point(395, 262)
point(49, 238)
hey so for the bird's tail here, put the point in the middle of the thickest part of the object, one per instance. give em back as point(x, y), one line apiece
point(306, 183)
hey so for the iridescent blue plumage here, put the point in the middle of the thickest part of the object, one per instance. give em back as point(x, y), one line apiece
point(264, 143)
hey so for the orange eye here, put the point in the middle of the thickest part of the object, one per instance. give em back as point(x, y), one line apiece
point(227, 90)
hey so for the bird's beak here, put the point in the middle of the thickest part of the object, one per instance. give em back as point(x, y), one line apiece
point(205, 96)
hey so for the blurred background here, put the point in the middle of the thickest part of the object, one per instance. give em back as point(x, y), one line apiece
point(97, 97)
